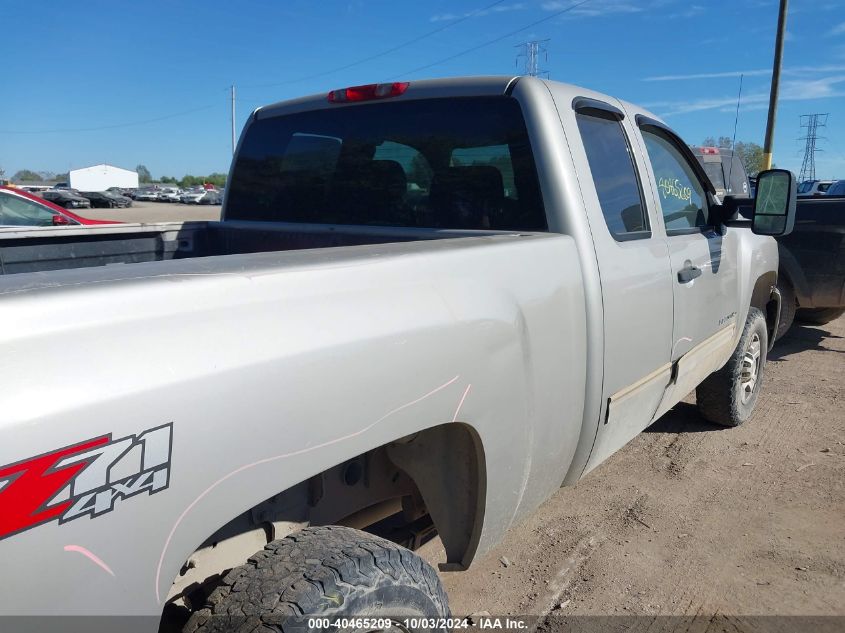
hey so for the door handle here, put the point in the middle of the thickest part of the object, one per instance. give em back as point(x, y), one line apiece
point(688, 274)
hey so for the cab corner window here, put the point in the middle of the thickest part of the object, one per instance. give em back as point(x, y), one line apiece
point(683, 201)
point(614, 176)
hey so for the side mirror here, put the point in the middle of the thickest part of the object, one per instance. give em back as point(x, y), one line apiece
point(774, 205)
point(736, 208)
point(60, 220)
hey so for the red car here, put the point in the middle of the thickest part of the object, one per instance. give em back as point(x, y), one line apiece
point(21, 208)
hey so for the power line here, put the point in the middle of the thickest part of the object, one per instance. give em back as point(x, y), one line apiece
point(812, 122)
point(531, 51)
point(493, 41)
point(364, 60)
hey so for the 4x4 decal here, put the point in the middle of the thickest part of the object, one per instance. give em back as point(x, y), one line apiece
point(29, 488)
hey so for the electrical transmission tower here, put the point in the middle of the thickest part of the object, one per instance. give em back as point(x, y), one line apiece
point(812, 123)
point(531, 51)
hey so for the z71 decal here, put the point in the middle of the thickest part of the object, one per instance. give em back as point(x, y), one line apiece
point(84, 479)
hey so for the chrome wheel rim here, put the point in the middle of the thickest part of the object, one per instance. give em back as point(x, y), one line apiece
point(750, 371)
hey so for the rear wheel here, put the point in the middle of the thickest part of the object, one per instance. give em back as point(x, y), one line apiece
point(727, 397)
point(326, 572)
point(819, 316)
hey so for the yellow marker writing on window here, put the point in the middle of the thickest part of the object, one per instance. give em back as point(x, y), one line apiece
point(672, 188)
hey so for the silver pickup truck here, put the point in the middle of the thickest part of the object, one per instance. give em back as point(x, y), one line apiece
point(426, 308)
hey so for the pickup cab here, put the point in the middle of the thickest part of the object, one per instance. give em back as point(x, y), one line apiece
point(427, 306)
point(811, 278)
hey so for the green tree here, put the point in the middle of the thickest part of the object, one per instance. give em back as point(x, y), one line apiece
point(724, 142)
point(26, 174)
point(168, 180)
point(217, 179)
point(64, 177)
point(751, 156)
point(144, 174)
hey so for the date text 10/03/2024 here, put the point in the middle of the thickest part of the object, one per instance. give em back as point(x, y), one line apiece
point(480, 622)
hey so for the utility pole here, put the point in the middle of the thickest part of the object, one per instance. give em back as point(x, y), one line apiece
point(773, 95)
point(233, 119)
point(531, 51)
point(812, 122)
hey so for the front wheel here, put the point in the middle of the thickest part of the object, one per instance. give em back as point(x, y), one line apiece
point(727, 396)
point(329, 573)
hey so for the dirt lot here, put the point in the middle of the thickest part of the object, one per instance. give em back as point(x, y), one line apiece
point(156, 212)
point(691, 519)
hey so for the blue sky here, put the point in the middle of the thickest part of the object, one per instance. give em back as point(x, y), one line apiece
point(97, 81)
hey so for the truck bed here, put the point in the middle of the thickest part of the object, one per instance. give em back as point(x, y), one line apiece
point(39, 250)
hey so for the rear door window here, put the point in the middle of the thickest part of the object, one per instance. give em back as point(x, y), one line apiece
point(458, 163)
point(614, 175)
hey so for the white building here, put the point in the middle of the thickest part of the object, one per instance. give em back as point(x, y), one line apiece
point(101, 177)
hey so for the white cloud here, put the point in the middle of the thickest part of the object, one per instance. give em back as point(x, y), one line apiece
point(745, 108)
point(443, 17)
point(839, 29)
point(792, 90)
point(502, 8)
point(759, 72)
point(801, 89)
point(596, 7)
point(690, 12)
point(721, 75)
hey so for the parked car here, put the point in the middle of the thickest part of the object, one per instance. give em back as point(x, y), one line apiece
point(192, 195)
point(814, 188)
point(22, 208)
point(146, 195)
point(66, 198)
point(330, 354)
point(169, 194)
point(836, 189)
point(211, 197)
point(106, 199)
point(725, 170)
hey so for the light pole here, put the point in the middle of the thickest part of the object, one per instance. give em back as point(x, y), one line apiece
point(773, 95)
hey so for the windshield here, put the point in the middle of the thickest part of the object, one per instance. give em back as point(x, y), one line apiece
point(735, 174)
point(714, 173)
point(462, 163)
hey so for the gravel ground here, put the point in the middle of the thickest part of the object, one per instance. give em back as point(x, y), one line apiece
point(155, 212)
point(694, 520)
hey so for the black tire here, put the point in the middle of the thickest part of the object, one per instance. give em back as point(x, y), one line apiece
point(788, 306)
point(819, 316)
point(727, 397)
point(323, 572)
